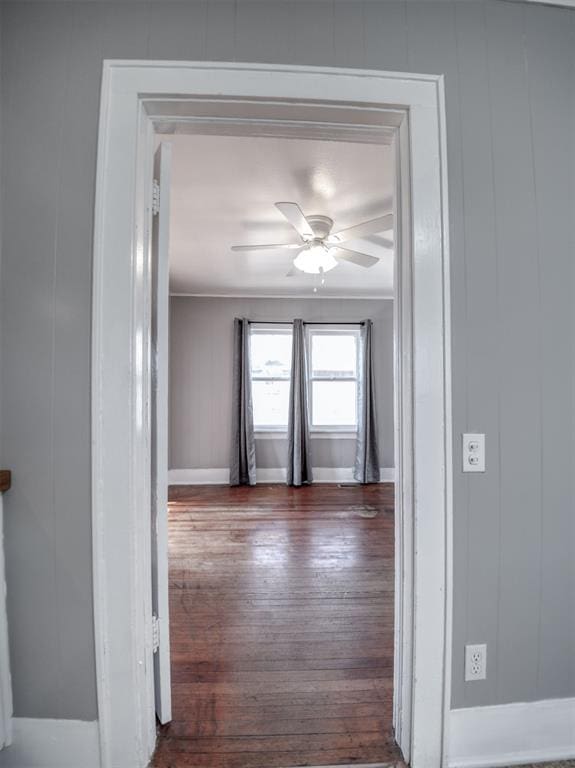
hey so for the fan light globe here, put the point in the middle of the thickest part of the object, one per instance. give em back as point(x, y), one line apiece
point(315, 259)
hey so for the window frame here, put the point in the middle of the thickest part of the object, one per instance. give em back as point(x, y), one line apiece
point(270, 430)
point(333, 329)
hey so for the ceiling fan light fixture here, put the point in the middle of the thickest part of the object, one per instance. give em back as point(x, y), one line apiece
point(315, 259)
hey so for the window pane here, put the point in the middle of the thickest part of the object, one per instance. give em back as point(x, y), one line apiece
point(270, 399)
point(271, 355)
point(333, 355)
point(334, 404)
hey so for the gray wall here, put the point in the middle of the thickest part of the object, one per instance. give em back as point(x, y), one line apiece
point(511, 141)
point(201, 333)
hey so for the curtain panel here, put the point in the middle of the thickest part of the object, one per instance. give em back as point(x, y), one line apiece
point(367, 453)
point(243, 448)
point(299, 445)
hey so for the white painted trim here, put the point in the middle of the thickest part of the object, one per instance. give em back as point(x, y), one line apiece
point(271, 475)
point(120, 379)
point(221, 476)
point(403, 451)
point(347, 296)
point(558, 3)
point(512, 734)
point(333, 434)
point(159, 425)
point(286, 129)
point(387, 475)
point(315, 434)
point(40, 743)
point(448, 438)
point(270, 434)
point(215, 476)
point(6, 707)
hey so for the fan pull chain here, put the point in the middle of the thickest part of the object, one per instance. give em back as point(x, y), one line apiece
point(320, 278)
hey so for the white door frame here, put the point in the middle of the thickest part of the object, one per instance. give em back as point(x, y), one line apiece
point(136, 96)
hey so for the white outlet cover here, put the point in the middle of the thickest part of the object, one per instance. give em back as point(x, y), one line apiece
point(473, 452)
point(475, 662)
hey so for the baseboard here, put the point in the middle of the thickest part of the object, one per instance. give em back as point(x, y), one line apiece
point(39, 743)
point(199, 476)
point(345, 474)
point(512, 734)
point(221, 476)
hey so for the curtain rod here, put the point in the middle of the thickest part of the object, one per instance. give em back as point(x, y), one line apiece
point(306, 322)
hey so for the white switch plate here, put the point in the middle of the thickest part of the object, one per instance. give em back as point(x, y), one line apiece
point(475, 662)
point(473, 452)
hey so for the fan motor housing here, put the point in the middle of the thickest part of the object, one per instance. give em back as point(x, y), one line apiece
point(321, 226)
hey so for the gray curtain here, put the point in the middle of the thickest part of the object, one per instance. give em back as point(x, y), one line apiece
point(298, 452)
point(367, 454)
point(243, 450)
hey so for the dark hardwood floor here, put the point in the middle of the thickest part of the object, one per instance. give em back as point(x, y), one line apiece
point(281, 605)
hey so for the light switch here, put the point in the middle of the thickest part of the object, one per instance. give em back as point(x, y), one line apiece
point(473, 452)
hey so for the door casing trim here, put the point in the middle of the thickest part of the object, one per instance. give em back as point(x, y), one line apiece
point(137, 96)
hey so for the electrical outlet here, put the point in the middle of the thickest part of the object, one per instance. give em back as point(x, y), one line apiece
point(475, 662)
point(473, 452)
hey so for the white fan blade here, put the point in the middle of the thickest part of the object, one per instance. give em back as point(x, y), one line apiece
point(269, 247)
point(385, 242)
point(372, 227)
point(294, 215)
point(361, 259)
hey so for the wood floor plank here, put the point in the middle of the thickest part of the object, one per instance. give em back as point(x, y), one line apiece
point(281, 616)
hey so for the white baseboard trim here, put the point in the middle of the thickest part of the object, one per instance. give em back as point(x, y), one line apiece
point(221, 476)
point(198, 476)
point(39, 743)
point(271, 475)
point(512, 734)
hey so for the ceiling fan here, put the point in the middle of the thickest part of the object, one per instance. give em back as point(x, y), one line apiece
point(320, 250)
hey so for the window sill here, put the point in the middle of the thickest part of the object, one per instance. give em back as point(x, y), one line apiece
point(334, 434)
point(270, 434)
point(317, 434)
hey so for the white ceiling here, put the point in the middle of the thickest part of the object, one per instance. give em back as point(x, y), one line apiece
point(223, 194)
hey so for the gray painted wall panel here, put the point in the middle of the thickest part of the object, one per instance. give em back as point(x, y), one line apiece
point(177, 30)
point(386, 35)
point(201, 374)
point(476, 522)
point(47, 677)
point(275, 30)
point(71, 387)
point(519, 346)
point(551, 77)
point(348, 34)
point(510, 96)
point(221, 31)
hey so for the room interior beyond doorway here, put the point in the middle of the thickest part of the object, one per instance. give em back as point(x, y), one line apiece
point(240, 178)
point(211, 285)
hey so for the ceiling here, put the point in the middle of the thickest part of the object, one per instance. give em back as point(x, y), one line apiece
point(223, 194)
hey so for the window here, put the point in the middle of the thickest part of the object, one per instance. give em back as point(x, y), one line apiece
point(333, 367)
point(332, 377)
point(271, 367)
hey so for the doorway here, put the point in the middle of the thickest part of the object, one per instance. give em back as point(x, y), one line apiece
point(281, 599)
point(358, 101)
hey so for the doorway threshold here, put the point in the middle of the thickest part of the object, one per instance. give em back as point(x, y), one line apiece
point(392, 764)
